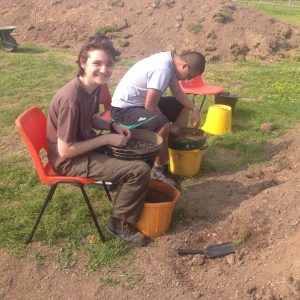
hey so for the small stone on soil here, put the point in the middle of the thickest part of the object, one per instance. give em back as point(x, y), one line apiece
point(267, 127)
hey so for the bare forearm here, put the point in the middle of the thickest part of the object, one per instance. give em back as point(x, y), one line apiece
point(151, 102)
point(68, 150)
point(180, 96)
point(118, 139)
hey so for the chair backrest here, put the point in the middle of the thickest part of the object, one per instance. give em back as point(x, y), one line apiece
point(188, 85)
point(32, 126)
point(105, 100)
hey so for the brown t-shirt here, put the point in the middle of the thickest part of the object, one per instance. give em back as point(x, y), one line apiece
point(70, 119)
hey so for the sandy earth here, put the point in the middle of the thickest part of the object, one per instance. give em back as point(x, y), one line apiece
point(259, 206)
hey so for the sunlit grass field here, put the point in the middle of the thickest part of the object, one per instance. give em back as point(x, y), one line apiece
point(277, 9)
point(269, 92)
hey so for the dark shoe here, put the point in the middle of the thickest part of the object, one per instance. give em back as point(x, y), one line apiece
point(127, 232)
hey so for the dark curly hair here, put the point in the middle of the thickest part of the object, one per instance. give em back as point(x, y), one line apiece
point(93, 43)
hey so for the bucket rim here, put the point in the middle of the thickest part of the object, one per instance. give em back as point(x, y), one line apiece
point(228, 95)
point(166, 187)
point(189, 145)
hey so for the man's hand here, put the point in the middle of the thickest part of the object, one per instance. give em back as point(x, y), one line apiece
point(196, 119)
point(121, 130)
point(116, 140)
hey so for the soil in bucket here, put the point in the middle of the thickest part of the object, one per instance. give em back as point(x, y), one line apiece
point(143, 145)
point(154, 196)
point(135, 144)
point(188, 139)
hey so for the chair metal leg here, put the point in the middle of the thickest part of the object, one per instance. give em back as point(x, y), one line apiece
point(48, 199)
point(107, 191)
point(193, 99)
point(88, 203)
point(46, 202)
point(202, 103)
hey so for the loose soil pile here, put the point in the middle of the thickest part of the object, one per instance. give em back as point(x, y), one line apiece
point(221, 29)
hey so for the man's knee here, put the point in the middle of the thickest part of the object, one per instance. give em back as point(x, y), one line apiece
point(162, 123)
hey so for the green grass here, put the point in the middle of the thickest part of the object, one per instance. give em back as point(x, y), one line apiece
point(29, 77)
point(103, 29)
point(269, 93)
point(279, 12)
point(195, 27)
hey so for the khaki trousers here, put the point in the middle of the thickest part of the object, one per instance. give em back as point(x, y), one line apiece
point(132, 176)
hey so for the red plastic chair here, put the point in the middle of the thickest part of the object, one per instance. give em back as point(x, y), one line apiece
point(105, 100)
point(32, 126)
point(197, 86)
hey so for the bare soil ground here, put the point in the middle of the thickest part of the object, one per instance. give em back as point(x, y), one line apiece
point(260, 206)
point(226, 30)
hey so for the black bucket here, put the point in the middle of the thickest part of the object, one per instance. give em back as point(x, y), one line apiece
point(227, 98)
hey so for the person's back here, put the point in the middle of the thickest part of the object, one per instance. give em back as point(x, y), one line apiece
point(154, 72)
point(138, 102)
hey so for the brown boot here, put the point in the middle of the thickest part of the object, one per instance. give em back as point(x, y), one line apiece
point(127, 232)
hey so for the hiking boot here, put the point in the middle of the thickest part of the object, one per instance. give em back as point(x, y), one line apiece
point(159, 173)
point(127, 232)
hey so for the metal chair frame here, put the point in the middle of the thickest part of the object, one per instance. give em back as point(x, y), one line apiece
point(32, 126)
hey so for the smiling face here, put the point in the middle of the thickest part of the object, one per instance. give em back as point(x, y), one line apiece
point(97, 68)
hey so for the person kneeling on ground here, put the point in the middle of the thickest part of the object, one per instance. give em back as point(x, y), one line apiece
point(138, 103)
point(74, 147)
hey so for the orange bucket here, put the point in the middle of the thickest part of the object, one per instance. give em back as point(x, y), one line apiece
point(156, 217)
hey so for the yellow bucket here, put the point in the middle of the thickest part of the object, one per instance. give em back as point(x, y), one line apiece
point(218, 119)
point(185, 162)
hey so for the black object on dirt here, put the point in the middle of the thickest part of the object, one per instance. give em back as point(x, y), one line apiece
point(213, 251)
point(227, 98)
point(7, 42)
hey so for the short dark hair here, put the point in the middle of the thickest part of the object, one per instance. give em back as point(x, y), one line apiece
point(196, 61)
point(95, 42)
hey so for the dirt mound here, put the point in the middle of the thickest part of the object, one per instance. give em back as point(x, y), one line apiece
point(220, 29)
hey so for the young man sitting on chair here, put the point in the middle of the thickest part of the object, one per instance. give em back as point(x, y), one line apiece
point(75, 148)
point(137, 100)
